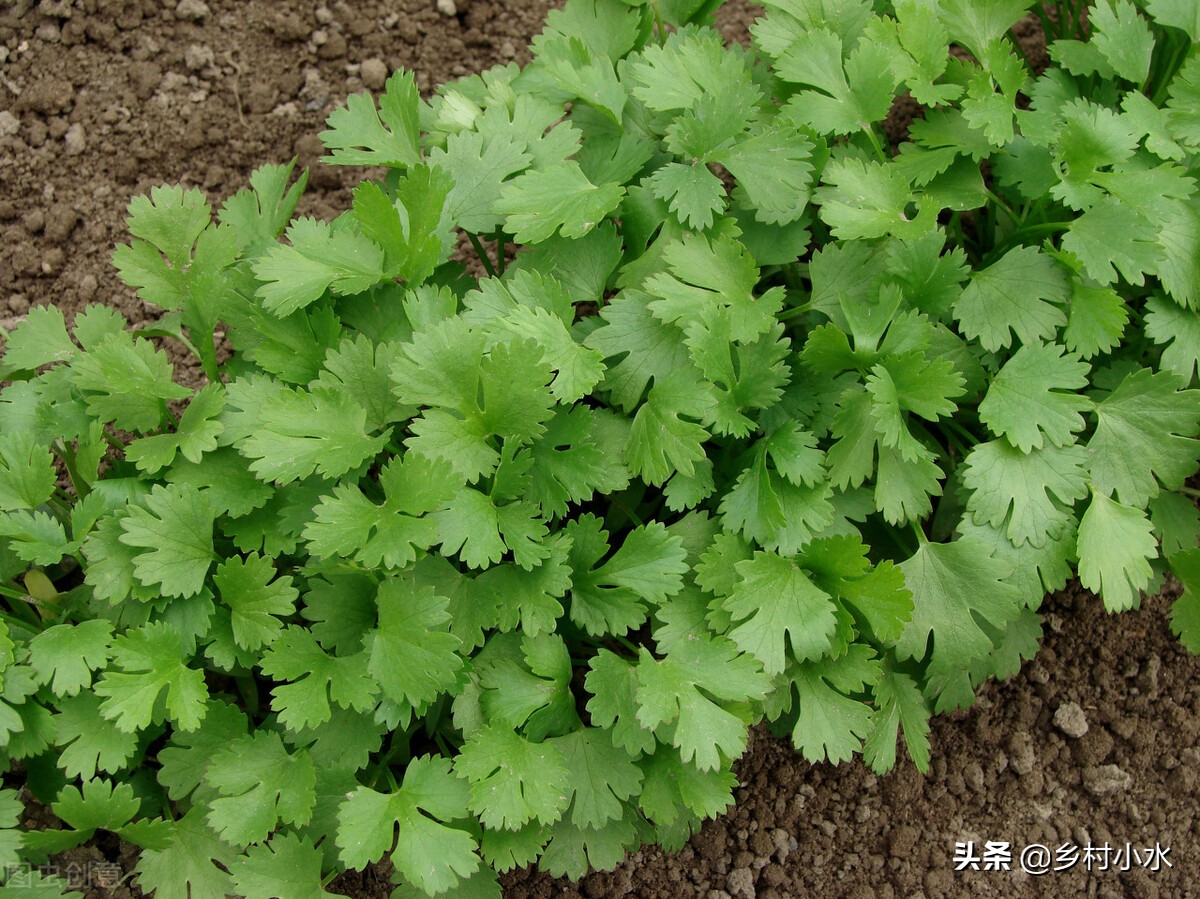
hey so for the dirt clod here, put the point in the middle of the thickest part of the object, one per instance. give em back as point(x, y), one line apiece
point(1070, 719)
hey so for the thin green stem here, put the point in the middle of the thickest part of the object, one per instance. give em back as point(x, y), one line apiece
point(1003, 207)
point(64, 451)
point(1190, 491)
point(794, 312)
point(920, 532)
point(869, 131)
point(1029, 231)
point(482, 253)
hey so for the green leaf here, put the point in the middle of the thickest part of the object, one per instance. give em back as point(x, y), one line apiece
point(831, 724)
point(1185, 612)
point(1110, 238)
point(612, 681)
point(27, 475)
point(775, 600)
point(863, 200)
point(412, 653)
point(693, 192)
point(1033, 398)
point(1116, 545)
point(1020, 294)
point(513, 780)
point(298, 433)
point(1145, 436)
point(65, 655)
point(774, 170)
point(315, 679)
point(193, 864)
point(319, 258)
point(127, 381)
point(259, 783)
point(361, 135)
point(1033, 492)
point(195, 435)
point(613, 597)
point(411, 228)
point(286, 865)
point(662, 439)
point(174, 532)
point(958, 588)
point(846, 99)
point(1123, 37)
point(1179, 330)
point(41, 339)
point(601, 777)
point(670, 701)
point(256, 602)
point(558, 199)
point(900, 704)
point(146, 662)
point(88, 742)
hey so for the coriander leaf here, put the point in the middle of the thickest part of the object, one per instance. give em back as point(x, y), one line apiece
point(358, 369)
point(480, 166)
point(578, 456)
point(315, 679)
point(774, 169)
point(41, 339)
point(899, 704)
point(286, 865)
point(27, 475)
point(65, 655)
point(1098, 316)
point(670, 700)
point(195, 435)
point(1019, 294)
point(174, 532)
point(513, 780)
point(693, 192)
point(1116, 545)
point(557, 199)
point(1033, 398)
point(1145, 435)
point(957, 588)
point(1033, 491)
point(412, 653)
point(612, 597)
point(127, 381)
point(259, 784)
point(297, 433)
point(1185, 612)
point(612, 681)
point(361, 135)
point(1110, 238)
point(602, 776)
point(527, 685)
point(864, 200)
point(319, 258)
point(87, 741)
point(662, 439)
point(708, 275)
point(1179, 330)
point(847, 99)
point(646, 347)
point(192, 865)
point(256, 601)
point(1123, 37)
point(774, 600)
point(831, 724)
point(146, 662)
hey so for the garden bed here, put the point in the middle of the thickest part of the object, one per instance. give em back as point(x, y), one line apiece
point(100, 101)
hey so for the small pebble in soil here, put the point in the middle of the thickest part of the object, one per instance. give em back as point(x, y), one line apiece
point(197, 56)
point(374, 73)
point(1106, 780)
point(447, 7)
point(191, 10)
point(74, 140)
point(1069, 718)
point(9, 124)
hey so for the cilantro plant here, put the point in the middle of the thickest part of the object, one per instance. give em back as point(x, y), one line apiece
point(752, 416)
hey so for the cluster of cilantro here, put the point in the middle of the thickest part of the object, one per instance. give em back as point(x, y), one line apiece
point(763, 421)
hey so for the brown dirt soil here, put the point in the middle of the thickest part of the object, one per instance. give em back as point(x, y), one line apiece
point(102, 99)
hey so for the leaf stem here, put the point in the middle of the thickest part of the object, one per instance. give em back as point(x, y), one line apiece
point(67, 454)
point(481, 253)
point(1004, 207)
point(920, 532)
point(1019, 236)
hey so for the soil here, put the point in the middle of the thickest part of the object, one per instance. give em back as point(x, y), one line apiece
point(103, 99)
